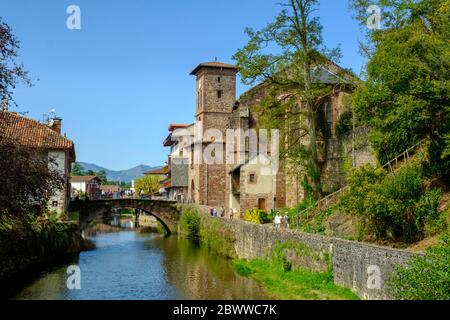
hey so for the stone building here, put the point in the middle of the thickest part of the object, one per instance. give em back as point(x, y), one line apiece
point(247, 183)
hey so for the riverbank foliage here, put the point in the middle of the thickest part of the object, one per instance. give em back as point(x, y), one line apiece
point(25, 242)
point(212, 234)
point(190, 222)
point(394, 207)
point(294, 284)
point(424, 277)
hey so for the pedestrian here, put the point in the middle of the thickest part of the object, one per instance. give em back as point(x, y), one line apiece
point(286, 220)
point(231, 213)
point(277, 220)
point(222, 212)
point(211, 212)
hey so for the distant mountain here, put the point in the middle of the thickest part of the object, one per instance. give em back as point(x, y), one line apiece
point(121, 175)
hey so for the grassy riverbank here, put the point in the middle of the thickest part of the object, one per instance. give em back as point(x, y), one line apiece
point(294, 284)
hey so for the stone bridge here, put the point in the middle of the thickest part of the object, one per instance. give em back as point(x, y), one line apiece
point(166, 212)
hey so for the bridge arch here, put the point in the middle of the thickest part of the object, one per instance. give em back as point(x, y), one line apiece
point(166, 212)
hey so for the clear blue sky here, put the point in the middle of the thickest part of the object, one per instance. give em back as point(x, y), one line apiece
point(120, 80)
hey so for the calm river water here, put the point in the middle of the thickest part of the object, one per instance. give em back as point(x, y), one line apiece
point(129, 265)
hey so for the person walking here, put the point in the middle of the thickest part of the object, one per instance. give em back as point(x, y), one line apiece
point(214, 212)
point(231, 213)
point(286, 220)
point(277, 221)
point(222, 212)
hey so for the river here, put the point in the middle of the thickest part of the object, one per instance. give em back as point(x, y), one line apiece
point(129, 265)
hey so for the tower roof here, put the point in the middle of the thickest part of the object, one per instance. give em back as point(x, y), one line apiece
point(214, 64)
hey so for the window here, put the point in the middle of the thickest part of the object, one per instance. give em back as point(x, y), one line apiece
point(252, 177)
point(219, 94)
point(54, 203)
point(218, 79)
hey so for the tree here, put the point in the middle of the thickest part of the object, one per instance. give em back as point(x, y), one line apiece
point(77, 170)
point(148, 184)
point(102, 176)
point(405, 97)
point(294, 95)
point(29, 178)
point(11, 72)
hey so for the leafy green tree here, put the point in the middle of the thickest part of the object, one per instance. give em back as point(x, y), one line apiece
point(11, 72)
point(287, 56)
point(77, 170)
point(102, 176)
point(405, 97)
point(424, 277)
point(148, 184)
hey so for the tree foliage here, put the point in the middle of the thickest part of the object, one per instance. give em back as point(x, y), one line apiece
point(29, 178)
point(391, 206)
point(11, 72)
point(405, 97)
point(148, 184)
point(287, 56)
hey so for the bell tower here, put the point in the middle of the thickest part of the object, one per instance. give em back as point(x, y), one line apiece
point(216, 93)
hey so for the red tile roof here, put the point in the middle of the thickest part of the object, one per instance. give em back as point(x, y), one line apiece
point(29, 132)
point(173, 126)
point(214, 64)
point(158, 171)
point(84, 178)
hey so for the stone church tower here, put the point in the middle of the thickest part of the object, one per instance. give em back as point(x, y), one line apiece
point(216, 95)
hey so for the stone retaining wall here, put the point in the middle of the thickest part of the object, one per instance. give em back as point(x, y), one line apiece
point(362, 267)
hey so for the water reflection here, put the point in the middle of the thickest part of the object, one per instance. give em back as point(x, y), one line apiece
point(129, 265)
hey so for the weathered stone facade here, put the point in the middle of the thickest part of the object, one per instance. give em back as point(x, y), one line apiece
point(217, 108)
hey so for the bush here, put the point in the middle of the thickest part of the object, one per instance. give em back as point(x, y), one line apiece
point(256, 216)
point(392, 206)
point(218, 238)
point(424, 277)
point(190, 222)
point(344, 124)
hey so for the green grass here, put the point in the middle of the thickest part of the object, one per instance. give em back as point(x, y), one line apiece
point(293, 285)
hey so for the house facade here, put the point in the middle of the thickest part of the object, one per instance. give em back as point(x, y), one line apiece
point(176, 181)
point(47, 137)
point(87, 185)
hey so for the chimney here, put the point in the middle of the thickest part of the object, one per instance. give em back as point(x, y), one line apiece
point(55, 125)
point(4, 104)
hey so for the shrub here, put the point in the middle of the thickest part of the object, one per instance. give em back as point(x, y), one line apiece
point(392, 206)
point(344, 124)
point(190, 222)
point(256, 216)
point(424, 277)
point(218, 238)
